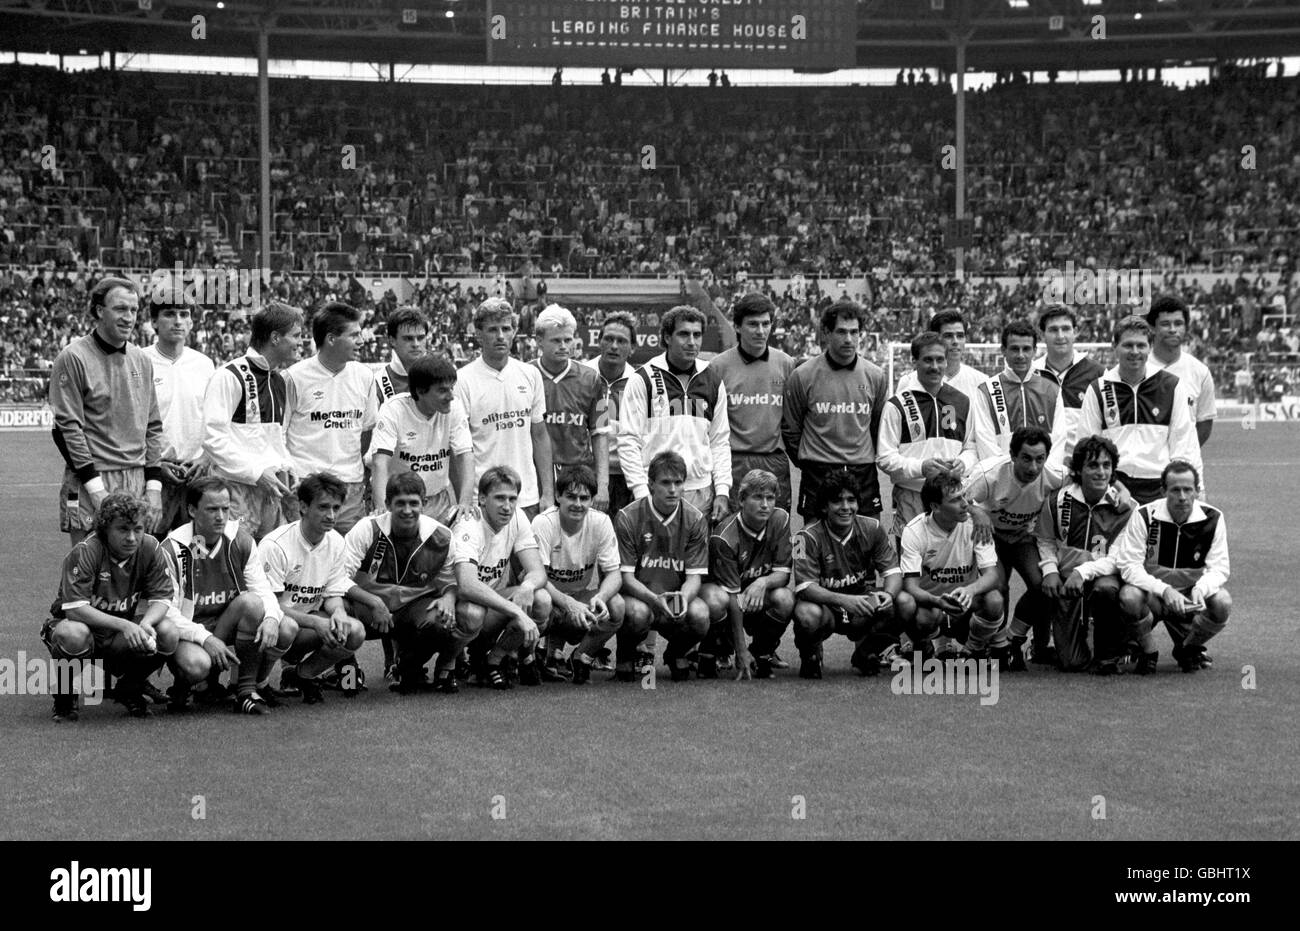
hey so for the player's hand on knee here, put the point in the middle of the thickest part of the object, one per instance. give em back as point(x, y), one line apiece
point(529, 629)
point(222, 656)
point(598, 609)
point(1074, 584)
point(753, 596)
point(139, 639)
point(381, 619)
point(268, 633)
point(443, 611)
point(1174, 601)
point(523, 598)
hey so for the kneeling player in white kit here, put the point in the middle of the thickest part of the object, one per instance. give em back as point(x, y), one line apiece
point(1174, 558)
point(953, 579)
point(579, 550)
point(304, 564)
point(749, 580)
point(502, 586)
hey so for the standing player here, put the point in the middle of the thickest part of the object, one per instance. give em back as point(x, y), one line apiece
point(106, 421)
point(1075, 531)
point(1006, 495)
point(925, 431)
point(954, 581)
point(243, 421)
point(749, 575)
point(221, 585)
point(305, 567)
point(617, 335)
point(676, 402)
point(952, 330)
point(580, 553)
point(1070, 371)
point(408, 334)
point(833, 405)
point(1143, 411)
point(846, 581)
point(502, 586)
point(575, 401)
point(506, 404)
point(427, 432)
point(1016, 397)
point(331, 403)
point(1173, 555)
point(755, 375)
point(180, 377)
point(402, 560)
point(1169, 318)
point(98, 612)
point(664, 554)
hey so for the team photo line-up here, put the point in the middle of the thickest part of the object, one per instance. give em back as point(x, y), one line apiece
point(278, 511)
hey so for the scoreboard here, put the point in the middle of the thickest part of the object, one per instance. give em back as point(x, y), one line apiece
point(812, 34)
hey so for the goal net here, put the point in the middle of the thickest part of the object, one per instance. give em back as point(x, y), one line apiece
point(987, 357)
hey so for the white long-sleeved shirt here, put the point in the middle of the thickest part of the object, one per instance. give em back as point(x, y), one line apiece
point(661, 413)
point(917, 426)
point(1154, 553)
point(180, 385)
point(243, 420)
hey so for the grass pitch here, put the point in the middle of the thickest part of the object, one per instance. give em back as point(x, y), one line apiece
point(1176, 756)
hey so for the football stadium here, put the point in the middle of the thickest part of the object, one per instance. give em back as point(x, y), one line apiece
point(649, 419)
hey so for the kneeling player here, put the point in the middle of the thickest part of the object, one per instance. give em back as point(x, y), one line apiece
point(954, 581)
point(1006, 494)
point(1173, 555)
point(664, 552)
point(578, 549)
point(304, 564)
point(506, 617)
point(847, 582)
point(222, 586)
point(401, 562)
point(98, 614)
point(1076, 528)
point(749, 576)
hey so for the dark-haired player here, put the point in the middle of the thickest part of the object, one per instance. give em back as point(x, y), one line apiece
point(106, 422)
point(664, 554)
point(243, 421)
point(950, 327)
point(401, 560)
point(222, 586)
point(408, 335)
point(617, 336)
point(1170, 319)
point(1069, 370)
point(1006, 495)
point(749, 576)
point(305, 567)
point(502, 595)
point(1173, 555)
point(847, 581)
point(1015, 397)
point(1076, 529)
point(954, 580)
point(579, 550)
point(115, 604)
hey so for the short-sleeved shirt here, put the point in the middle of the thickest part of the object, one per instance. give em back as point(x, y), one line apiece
point(943, 561)
point(576, 563)
point(92, 577)
point(1195, 375)
point(738, 556)
point(1013, 508)
point(302, 575)
point(328, 412)
point(845, 565)
point(502, 406)
point(420, 444)
point(575, 412)
point(662, 551)
point(494, 552)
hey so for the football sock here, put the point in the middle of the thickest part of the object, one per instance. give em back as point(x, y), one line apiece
point(1019, 629)
point(1145, 639)
point(266, 665)
point(1203, 628)
point(982, 631)
point(246, 652)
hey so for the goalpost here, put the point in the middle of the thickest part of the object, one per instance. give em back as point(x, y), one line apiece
point(987, 357)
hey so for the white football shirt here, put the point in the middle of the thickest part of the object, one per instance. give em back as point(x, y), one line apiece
point(575, 564)
point(328, 411)
point(1012, 507)
point(420, 444)
point(943, 561)
point(180, 385)
point(302, 575)
point(1191, 371)
point(474, 541)
point(502, 406)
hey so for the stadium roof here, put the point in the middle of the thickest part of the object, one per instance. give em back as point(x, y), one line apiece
point(999, 34)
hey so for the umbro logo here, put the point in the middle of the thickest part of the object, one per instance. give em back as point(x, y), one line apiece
point(410, 435)
point(522, 389)
point(318, 394)
point(104, 576)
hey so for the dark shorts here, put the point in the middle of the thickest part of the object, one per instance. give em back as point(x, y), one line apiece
point(75, 510)
point(868, 482)
point(777, 463)
point(1143, 490)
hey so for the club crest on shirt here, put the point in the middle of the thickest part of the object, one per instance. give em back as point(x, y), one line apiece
point(1156, 411)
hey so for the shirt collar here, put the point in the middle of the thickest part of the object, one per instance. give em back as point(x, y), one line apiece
point(257, 358)
point(1009, 376)
point(847, 537)
point(745, 529)
point(1109, 496)
point(396, 365)
point(104, 347)
point(839, 368)
point(659, 517)
point(568, 366)
point(747, 358)
point(1161, 512)
point(1112, 373)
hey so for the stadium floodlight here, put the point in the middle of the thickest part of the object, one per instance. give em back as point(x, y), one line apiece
point(1091, 2)
point(1018, 4)
point(451, 14)
point(145, 5)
